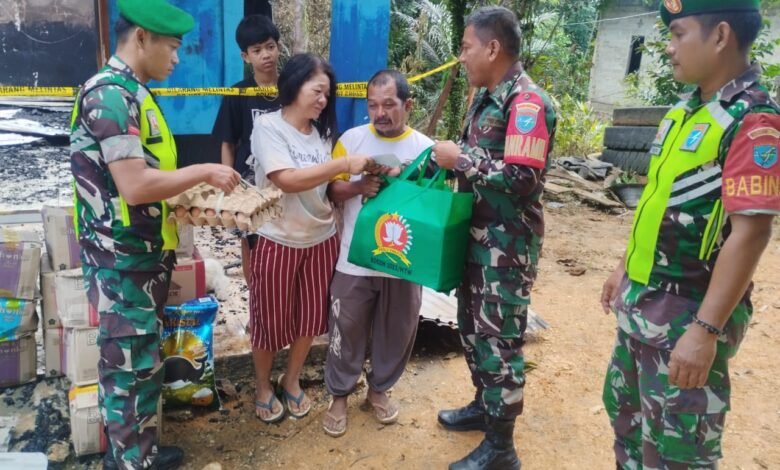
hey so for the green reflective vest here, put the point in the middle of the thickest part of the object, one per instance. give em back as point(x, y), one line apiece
point(157, 140)
point(684, 171)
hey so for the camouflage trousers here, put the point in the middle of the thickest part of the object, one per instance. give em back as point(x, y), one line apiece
point(130, 371)
point(658, 425)
point(492, 335)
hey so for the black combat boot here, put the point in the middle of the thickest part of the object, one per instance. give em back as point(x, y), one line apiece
point(469, 418)
point(495, 452)
point(168, 458)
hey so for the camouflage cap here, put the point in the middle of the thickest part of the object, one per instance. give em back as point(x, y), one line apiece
point(673, 9)
point(157, 16)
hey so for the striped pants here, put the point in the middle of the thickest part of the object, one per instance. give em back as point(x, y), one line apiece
point(288, 292)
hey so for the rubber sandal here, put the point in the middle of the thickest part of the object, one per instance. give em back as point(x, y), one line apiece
point(385, 414)
point(275, 418)
point(287, 397)
point(332, 425)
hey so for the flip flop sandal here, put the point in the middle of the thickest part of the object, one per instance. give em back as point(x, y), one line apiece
point(287, 397)
point(274, 418)
point(332, 425)
point(385, 414)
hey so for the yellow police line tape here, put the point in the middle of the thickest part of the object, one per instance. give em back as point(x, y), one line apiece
point(344, 90)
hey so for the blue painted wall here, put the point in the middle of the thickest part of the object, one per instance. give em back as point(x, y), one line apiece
point(208, 57)
point(360, 31)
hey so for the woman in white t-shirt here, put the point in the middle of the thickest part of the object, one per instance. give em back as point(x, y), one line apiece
point(293, 260)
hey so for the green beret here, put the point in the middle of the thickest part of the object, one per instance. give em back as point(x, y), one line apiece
point(673, 9)
point(157, 16)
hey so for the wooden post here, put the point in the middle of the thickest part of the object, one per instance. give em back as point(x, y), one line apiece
point(445, 94)
point(104, 42)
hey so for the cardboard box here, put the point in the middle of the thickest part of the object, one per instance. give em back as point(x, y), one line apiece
point(86, 422)
point(72, 305)
point(49, 295)
point(188, 280)
point(18, 361)
point(20, 255)
point(186, 246)
point(54, 352)
point(60, 237)
point(81, 355)
point(17, 318)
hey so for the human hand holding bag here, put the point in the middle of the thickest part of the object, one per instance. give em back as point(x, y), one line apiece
point(415, 228)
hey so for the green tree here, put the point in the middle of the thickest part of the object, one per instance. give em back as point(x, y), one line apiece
point(659, 88)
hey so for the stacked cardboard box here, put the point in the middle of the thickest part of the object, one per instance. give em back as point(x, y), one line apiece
point(86, 422)
point(20, 251)
point(70, 324)
point(70, 332)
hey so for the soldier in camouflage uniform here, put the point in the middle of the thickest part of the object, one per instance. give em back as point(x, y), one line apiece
point(123, 160)
point(502, 159)
point(682, 291)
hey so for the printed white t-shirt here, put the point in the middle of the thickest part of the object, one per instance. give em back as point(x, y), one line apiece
point(364, 140)
point(307, 218)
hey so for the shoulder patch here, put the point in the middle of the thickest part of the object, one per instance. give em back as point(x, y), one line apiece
point(527, 138)
point(695, 138)
point(765, 156)
point(526, 115)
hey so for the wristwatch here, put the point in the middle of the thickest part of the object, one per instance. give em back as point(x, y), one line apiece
point(464, 163)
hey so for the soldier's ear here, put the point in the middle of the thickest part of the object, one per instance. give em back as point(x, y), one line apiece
point(723, 35)
point(494, 49)
point(141, 37)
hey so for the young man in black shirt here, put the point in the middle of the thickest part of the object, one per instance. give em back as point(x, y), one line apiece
point(258, 39)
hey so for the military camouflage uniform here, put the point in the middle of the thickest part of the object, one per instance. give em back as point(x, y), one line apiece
point(658, 425)
point(507, 228)
point(126, 271)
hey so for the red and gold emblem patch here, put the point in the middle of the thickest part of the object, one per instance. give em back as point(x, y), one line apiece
point(674, 6)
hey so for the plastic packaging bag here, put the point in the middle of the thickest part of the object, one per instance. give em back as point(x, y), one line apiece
point(188, 354)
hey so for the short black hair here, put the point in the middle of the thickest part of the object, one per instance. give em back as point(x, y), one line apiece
point(401, 85)
point(255, 29)
point(499, 23)
point(295, 73)
point(745, 24)
point(123, 28)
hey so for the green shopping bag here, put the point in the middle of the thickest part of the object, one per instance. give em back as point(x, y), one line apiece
point(415, 229)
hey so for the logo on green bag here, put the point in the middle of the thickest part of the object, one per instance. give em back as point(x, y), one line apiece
point(393, 238)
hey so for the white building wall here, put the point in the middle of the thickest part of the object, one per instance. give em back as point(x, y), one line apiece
point(613, 51)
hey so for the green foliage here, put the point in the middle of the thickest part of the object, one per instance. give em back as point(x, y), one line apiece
point(456, 104)
point(659, 88)
point(580, 131)
point(557, 49)
point(420, 40)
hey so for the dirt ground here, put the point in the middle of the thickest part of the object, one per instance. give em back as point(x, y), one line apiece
point(564, 425)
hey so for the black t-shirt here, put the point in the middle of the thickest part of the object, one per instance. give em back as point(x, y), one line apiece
point(235, 120)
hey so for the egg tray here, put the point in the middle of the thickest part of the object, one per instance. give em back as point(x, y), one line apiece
point(246, 208)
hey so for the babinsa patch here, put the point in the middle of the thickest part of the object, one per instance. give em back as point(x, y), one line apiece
point(765, 156)
point(526, 117)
